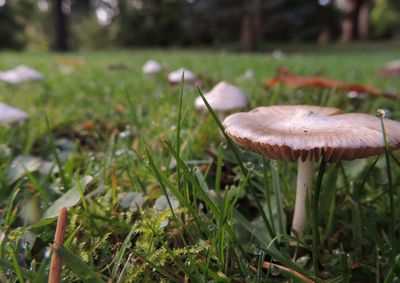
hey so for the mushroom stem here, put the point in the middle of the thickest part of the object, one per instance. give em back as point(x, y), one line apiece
point(303, 191)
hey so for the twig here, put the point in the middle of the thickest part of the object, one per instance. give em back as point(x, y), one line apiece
point(267, 265)
point(55, 267)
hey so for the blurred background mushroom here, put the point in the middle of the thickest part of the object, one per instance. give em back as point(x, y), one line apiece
point(10, 114)
point(391, 69)
point(175, 77)
point(151, 68)
point(20, 74)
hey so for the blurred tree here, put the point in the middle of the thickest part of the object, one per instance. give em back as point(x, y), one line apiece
point(299, 20)
point(246, 23)
point(60, 25)
point(14, 17)
point(355, 23)
point(250, 34)
point(150, 22)
point(385, 18)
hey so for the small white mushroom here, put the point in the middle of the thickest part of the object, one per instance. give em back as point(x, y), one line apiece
point(391, 69)
point(9, 115)
point(20, 74)
point(222, 98)
point(151, 68)
point(175, 77)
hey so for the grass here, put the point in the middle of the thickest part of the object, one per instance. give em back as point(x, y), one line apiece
point(157, 194)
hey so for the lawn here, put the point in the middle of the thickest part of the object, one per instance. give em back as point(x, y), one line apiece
point(156, 194)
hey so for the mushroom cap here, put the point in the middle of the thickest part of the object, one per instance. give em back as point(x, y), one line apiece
point(20, 74)
point(310, 132)
point(10, 114)
point(223, 97)
point(151, 67)
point(176, 76)
point(393, 64)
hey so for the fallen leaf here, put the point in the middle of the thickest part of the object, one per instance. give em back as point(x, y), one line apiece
point(88, 125)
point(21, 165)
point(295, 81)
point(67, 200)
point(69, 60)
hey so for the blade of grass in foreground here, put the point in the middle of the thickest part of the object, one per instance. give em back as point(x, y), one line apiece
point(178, 131)
point(276, 256)
point(40, 274)
point(77, 266)
point(7, 222)
point(314, 216)
point(381, 114)
point(16, 266)
point(121, 253)
point(240, 162)
point(395, 159)
point(161, 270)
point(55, 154)
point(278, 197)
point(164, 184)
point(5, 265)
point(208, 202)
point(188, 269)
point(267, 192)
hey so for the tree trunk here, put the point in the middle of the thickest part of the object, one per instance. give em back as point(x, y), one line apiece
point(363, 20)
point(60, 24)
point(348, 28)
point(251, 24)
point(355, 22)
point(246, 39)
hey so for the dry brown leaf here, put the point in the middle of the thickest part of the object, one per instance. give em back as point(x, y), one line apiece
point(295, 81)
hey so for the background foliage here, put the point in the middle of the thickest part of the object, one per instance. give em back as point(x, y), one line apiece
point(126, 23)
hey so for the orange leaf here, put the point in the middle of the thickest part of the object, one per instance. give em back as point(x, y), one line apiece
point(295, 81)
point(88, 125)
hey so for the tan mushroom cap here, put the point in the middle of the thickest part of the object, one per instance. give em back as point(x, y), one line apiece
point(300, 131)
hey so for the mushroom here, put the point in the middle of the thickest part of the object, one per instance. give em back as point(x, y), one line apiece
point(20, 74)
point(9, 115)
point(391, 69)
point(151, 68)
point(175, 77)
point(308, 133)
point(222, 98)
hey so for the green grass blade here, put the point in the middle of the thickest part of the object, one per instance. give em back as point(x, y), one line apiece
point(25, 272)
point(17, 267)
point(389, 185)
point(278, 197)
point(121, 252)
point(78, 267)
point(314, 216)
point(178, 130)
point(209, 203)
point(55, 154)
point(240, 162)
point(161, 270)
point(268, 193)
point(40, 276)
